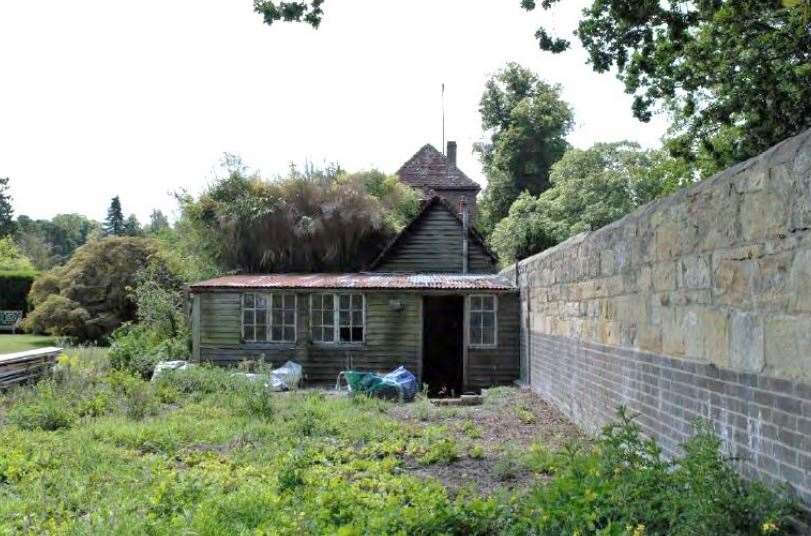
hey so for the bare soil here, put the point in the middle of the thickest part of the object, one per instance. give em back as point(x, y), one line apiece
point(499, 431)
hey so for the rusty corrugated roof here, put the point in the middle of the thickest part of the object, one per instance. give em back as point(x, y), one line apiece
point(360, 281)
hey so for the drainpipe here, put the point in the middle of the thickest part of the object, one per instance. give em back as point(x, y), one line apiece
point(465, 233)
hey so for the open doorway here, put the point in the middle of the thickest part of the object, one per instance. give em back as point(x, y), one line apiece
point(443, 342)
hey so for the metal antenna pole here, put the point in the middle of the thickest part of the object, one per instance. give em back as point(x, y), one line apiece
point(443, 118)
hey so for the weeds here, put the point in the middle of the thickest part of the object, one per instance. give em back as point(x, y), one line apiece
point(95, 450)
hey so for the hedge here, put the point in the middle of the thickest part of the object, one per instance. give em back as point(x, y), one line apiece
point(14, 288)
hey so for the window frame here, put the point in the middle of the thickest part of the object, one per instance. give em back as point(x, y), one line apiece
point(469, 315)
point(336, 318)
point(269, 300)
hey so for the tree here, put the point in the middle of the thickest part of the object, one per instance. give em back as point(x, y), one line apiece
point(12, 258)
point(114, 224)
point(90, 296)
point(302, 11)
point(735, 74)
point(132, 227)
point(158, 222)
point(7, 226)
point(528, 122)
point(591, 188)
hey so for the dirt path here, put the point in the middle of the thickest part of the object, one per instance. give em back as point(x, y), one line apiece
point(501, 443)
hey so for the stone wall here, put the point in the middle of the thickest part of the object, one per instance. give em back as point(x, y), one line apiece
point(697, 305)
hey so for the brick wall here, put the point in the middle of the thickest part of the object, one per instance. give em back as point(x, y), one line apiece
point(697, 305)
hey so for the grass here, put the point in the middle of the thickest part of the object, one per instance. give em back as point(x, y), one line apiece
point(99, 451)
point(19, 343)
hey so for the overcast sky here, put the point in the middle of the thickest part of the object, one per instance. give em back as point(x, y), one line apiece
point(138, 99)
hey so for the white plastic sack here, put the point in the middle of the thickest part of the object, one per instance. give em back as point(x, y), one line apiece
point(283, 378)
point(163, 366)
point(288, 375)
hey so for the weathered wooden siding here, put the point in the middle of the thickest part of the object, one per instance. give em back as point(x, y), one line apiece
point(434, 245)
point(392, 337)
point(499, 365)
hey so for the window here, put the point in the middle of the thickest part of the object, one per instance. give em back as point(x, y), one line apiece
point(322, 317)
point(254, 317)
point(482, 321)
point(350, 317)
point(349, 311)
point(269, 317)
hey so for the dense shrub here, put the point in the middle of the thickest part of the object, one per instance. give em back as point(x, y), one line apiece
point(14, 288)
point(42, 410)
point(624, 484)
point(89, 297)
point(312, 221)
point(162, 331)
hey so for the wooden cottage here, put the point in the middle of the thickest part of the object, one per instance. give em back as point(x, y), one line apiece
point(432, 301)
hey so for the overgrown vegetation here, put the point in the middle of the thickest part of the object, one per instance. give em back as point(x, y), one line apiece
point(590, 188)
point(89, 297)
point(97, 450)
point(310, 221)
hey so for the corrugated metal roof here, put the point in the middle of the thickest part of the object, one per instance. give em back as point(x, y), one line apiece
point(360, 281)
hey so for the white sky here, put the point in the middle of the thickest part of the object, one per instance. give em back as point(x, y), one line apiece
point(106, 97)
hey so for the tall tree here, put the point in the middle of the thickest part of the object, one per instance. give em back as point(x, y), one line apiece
point(527, 121)
point(7, 226)
point(157, 222)
point(114, 224)
point(735, 74)
point(132, 227)
point(590, 189)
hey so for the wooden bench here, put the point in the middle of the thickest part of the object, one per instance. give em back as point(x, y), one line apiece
point(10, 320)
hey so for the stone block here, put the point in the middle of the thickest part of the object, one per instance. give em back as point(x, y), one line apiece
point(746, 342)
point(665, 275)
point(800, 282)
point(733, 276)
point(788, 346)
point(715, 212)
point(763, 215)
point(673, 334)
point(694, 272)
point(771, 288)
point(707, 334)
point(649, 338)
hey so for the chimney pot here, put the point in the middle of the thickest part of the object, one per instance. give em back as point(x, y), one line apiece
point(451, 153)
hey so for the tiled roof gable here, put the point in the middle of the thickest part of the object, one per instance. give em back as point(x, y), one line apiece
point(429, 168)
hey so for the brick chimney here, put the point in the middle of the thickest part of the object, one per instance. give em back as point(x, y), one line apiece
point(451, 153)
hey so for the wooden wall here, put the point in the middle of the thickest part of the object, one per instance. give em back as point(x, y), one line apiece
point(499, 365)
point(434, 245)
point(393, 338)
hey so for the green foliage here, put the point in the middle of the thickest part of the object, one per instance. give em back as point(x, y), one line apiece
point(591, 188)
point(51, 242)
point(192, 452)
point(400, 202)
point(114, 224)
point(308, 221)
point(734, 71)
point(298, 11)
point(89, 297)
point(132, 227)
point(42, 410)
point(7, 226)
point(158, 223)
point(528, 123)
point(162, 332)
point(624, 484)
point(12, 258)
